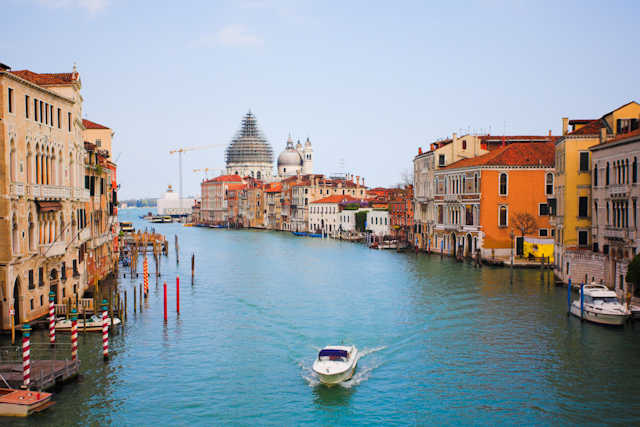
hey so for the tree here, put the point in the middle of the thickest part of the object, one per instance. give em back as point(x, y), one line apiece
point(633, 272)
point(406, 178)
point(525, 222)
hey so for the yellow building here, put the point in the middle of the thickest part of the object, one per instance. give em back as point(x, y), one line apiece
point(570, 207)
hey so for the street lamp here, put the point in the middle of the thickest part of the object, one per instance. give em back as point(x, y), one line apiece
point(511, 235)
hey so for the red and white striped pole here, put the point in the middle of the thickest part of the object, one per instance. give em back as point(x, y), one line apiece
point(165, 301)
point(26, 355)
point(74, 335)
point(52, 318)
point(105, 331)
point(178, 294)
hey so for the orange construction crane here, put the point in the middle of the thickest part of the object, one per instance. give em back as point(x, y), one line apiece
point(208, 169)
point(182, 150)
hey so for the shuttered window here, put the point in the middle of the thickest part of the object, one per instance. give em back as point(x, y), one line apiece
point(584, 161)
point(583, 207)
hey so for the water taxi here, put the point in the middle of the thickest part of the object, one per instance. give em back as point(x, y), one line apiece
point(600, 305)
point(127, 227)
point(94, 324)
point(336, 363)
point(20, 403)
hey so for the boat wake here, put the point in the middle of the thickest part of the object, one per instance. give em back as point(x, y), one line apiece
point(363, 372)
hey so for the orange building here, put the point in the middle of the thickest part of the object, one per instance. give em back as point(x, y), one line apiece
point(476, 199)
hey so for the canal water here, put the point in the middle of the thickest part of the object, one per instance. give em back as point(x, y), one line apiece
point(441, 343)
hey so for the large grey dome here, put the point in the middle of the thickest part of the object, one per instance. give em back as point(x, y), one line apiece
point(249, 145)
point(289, 157)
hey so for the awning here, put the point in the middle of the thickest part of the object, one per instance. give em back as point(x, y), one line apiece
point(49, 206)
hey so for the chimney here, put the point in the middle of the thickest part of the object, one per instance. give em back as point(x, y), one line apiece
point(358, 180)
point(453, 146)
point(565, 125)
point(419, 150)
point(363, 181)
point(550, 133)
point(603, 135)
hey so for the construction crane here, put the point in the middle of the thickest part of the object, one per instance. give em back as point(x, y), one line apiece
point(208, 169)
point(182, 150)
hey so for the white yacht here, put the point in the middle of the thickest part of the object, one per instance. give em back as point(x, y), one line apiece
point(94, 324)
point(336, 363)
point(601, 305)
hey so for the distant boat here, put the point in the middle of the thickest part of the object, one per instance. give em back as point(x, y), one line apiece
point(156, 219)
point(167, 219)
point(336, 363)
point(314, 235)
point(298, 233)
point(216, 226)
point(94, 323)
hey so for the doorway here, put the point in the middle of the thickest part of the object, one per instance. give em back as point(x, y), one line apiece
point(16, 300)
point(519, 246)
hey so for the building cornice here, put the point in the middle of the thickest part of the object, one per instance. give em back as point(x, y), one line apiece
point(20, 80)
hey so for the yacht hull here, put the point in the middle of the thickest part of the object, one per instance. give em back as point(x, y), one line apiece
point(596, 317)
point(20, 403)
point(337, 378)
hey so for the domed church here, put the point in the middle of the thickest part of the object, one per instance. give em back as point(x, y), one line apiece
point(249, 153)
point(295, 160)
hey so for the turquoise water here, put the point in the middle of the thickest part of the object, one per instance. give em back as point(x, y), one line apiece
point(442, 343)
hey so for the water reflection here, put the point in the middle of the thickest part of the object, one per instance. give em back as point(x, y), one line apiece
point(328, 398)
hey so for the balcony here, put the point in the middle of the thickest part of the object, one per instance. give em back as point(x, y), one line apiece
point(620, 234)
point(618, 190)
point(53, 249)
point(17, 189)
point(452, 198)
point(99, 241)
point(84, 235)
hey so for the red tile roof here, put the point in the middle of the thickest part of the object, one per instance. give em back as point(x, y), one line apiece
point(631, 134)
point(508, 138)
point(46, 79)
point(91, 125)
point(226, 178)
point(274, 188)
point(593, 128)
point(337, 199)
point(516, 154)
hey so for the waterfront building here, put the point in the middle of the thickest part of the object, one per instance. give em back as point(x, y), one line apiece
point(615, 207)
point(256, 212)
point(401, 216)
point(476, 198)
point(441, 154)
point(273, 191)
point(379, 222)
point(234, 192)
point(99, 135)
point(214, 208)
point(170, 203)
point(573, 200)
point(324, 214)
point(249, 153)
point(49, 235)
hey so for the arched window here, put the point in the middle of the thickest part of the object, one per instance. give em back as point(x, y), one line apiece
point(14, 235)
point(595, 175)
point(606, 174)
point(475, 183)
point(502, 220)
point(13, 162)
point(31, 235)
point(258, 175)
point(634, 172)
point(626, 168)
point(464, 144)
point(464, 184)
point(549, 184)
point(503, 184)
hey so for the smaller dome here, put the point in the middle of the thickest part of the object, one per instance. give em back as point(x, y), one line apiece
point(298, 146)
point(307, 144)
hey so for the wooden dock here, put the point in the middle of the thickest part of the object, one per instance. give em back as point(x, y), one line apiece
point(44, 373)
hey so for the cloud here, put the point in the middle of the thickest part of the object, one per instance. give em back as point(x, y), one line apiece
point(232, 35)
point(91, 7)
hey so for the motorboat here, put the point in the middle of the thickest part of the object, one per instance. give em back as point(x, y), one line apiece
point(20, 403)
point(94, 324)
point(600, 305)
point(127, 227)
point(167, 219)
point(336, 363)
point(156, 219)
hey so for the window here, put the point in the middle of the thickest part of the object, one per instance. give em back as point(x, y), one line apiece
point(583, 237)
point(543, 232)
point(607, 174)
point(502, 220)
point(59, 118)
point(464, 144)
point(32, 284)
point(26, 106)
point(11, 108)
point(595, 175)
point(503, 184)
point(441, 160)
point(51, 111)
point(41, 300)
point(69, 120)
point(583, 207)
point(543, 209)
point(584, 161)
point(553, 232)
point(35, 109)
point(549, 184)
point(634, 171)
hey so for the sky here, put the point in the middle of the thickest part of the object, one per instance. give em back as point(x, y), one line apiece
point(368, 82)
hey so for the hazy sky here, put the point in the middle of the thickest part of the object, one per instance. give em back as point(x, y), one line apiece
point(368, 81)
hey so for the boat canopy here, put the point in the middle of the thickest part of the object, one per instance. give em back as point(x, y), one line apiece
point(333, 352)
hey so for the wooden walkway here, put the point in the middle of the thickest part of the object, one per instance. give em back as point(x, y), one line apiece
point(41, 371)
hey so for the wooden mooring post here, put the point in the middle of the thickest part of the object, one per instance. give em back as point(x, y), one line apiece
point(177, 251)
point(193, 264)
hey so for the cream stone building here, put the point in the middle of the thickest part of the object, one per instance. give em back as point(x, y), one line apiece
point(42, 213)
point(99, 135)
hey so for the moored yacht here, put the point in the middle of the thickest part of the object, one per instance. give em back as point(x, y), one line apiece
point(600, 305)
point(336, 363)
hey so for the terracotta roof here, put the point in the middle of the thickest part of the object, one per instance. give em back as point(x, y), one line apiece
point(517, 154)
point(274, 188)
point(629, 135)
point(236, 186)
point(226, 178)
point(509, 138)
point(91, 125)
point(46, 79)
point(337, 199)
point(593, 128)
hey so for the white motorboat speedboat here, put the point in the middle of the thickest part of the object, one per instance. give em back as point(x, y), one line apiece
point(601, 305)
point(336, 363)
point(94, 324)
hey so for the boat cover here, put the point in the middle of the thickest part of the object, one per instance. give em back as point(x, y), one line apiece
point(332, 352)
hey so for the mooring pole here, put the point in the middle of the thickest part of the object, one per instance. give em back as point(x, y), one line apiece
point(105, 332)
point(193, 264)
point(178, 294)
point(165, 301)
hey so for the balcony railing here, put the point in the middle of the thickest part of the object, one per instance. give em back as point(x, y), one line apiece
point(618, 233)
point(618, 190)
point(17, 189)
point(53, 249)
point(99, 241)
point(85, 235)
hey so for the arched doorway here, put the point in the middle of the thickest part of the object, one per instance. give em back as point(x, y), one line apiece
point(469, 247)
point(453, 243)
point(17, 289)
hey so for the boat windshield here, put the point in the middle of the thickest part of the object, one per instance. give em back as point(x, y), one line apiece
point(333, 354)
point(605, 300)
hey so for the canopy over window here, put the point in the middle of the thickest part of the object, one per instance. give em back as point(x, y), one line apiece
point(49, 206)
point(331, 352)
